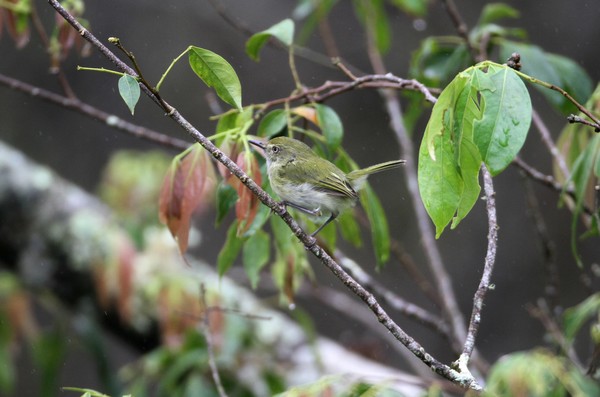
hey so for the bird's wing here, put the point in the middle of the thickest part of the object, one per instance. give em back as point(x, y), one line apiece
point(336, 184)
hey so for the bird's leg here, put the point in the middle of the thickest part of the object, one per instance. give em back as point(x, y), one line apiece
point(315, 212)
point(332, 217)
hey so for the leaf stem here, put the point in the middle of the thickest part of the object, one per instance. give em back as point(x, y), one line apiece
point(162, 78)
point(103, 70)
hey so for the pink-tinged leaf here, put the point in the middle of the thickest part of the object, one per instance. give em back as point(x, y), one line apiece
point(247, 204)
point(126, 256)
point(187, 188)
point(17, 25)
point(309, 113)
point(288, 286)
point(230, 149)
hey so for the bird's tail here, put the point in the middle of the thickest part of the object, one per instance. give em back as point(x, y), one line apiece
point(358, 177)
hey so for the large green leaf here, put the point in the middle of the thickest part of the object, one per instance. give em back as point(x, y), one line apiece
point(272, 123)
point(282, 31)
point(506, 108)
point(439, 178)
point(217, 73)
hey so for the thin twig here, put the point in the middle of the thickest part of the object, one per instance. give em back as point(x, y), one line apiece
point(461, 28)
point(542, 313)
point(490, 258)
point(95, 113)
point(465, 380)
point(550, 145)
point(547, 180)
point(547, 247)
point(209, 344)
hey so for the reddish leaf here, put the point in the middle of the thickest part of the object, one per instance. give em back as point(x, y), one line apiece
point(101, 286)
point(126, 256)
point(288, 287)
point(231, 150)
point(17, 26)
point(247, 204)
point(187, 188)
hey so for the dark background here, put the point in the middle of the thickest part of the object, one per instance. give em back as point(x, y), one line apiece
point(158, 31)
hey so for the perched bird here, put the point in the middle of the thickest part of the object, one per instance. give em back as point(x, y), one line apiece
point(311, 184)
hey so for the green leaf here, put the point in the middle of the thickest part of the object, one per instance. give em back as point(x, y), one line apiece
point(495, 11)
point(255, 255)
point(575, 317)
point(413, 7)
point(226, 199)
point(349, 228)
point(272, 123)
point(230, 251)
point(217, 73)
point(575, 81)
point(506, 107)
point(282, 31)
point(553, 69)
point(331, 125)
point(130, 91)
point(379, 226)
point(436, 61)
point(439, 179)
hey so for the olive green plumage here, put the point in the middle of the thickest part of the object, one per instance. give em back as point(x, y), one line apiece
point(311, 184)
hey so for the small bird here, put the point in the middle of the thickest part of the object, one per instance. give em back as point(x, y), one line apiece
point(311, 184)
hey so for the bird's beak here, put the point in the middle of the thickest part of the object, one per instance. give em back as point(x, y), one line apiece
point(260, 144)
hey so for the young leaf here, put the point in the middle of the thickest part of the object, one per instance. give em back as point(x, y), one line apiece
point(330, 124)
point(255, 255)
point(230, 250)
point(282, 31)
point(217, 73)
point(272, 123)
point(575, 317)
point(506, 108)
point(379, 226)
point(130, 91)
point(187, 188)
point(247, 205)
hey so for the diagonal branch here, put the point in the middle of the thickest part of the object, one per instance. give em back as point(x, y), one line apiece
point(465, 380)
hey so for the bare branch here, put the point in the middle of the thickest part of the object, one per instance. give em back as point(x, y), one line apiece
point(109, 119)
point(488, 268)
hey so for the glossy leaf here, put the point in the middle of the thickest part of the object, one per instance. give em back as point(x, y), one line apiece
point(309, 113)
point(188, 187)
point(436, 61)
point(330, 124)
point(217, 73)
point(282, 31)
point(130, 91)
point(506, 117)
point(272, 124)
point(230, 250)
point(482, 115)
point(379, 226)
point(255, 255)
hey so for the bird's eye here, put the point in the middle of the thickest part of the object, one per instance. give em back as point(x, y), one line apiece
point(275, 149)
